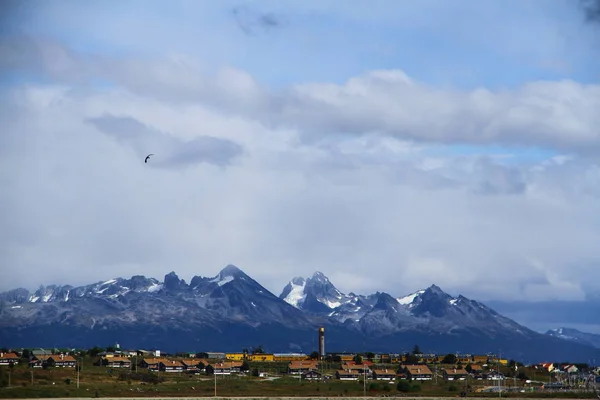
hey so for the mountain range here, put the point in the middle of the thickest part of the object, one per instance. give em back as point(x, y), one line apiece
point(574, 335)
point(231, 311)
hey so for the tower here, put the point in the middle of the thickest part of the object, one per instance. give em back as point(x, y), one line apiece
point(322, 342)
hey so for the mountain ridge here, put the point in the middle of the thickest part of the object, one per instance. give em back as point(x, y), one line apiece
point(231, 311)
point(575, 335)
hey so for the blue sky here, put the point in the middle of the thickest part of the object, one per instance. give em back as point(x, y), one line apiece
point(463, 45)
point(426, 136)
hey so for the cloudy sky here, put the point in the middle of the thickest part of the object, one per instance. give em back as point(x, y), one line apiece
point(389, 144)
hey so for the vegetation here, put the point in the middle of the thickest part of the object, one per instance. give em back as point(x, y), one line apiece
point(115, 382)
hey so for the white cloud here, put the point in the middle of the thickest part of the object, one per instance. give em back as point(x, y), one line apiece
point(283, 181)
point(375, 212)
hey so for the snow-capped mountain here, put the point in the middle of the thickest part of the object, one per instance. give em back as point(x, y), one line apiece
point(430, 308)
point(574, 335)
point(230, 311)
point(315, 294)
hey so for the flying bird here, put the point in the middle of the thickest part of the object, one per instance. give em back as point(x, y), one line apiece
point(147, 157)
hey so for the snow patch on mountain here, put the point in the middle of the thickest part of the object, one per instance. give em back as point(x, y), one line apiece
point(295, 294)
point(406, 300)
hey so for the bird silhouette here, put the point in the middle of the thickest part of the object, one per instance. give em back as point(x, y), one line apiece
point(147, 157)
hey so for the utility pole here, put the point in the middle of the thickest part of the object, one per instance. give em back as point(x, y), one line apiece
point(214, 373)
point(499, 377)
point(78, 369)
point(364, 380)
point(31, 372)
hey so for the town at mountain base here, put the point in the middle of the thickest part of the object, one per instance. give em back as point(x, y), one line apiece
point(232, 311)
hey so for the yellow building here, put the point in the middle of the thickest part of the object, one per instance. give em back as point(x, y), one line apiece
point(235, 356)
point(480, 359)
point(288, 357)
point(347, 357)
point(504, 361)
point(261, 357)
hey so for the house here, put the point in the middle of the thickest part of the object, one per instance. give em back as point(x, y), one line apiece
point(39, 361)
point(418, 372)
point(494, 376)
point(152, 364)
point(118, 362)
point(454, 374)
point(227, 367)
point(384, 374)
point(569, 368)
point(480, 359)
point(429, 358)
point(194, 365)
point(298, 367)
point(347, 357)
point(8, 359)
point(347, 375)
point(311, 375)
point(546, 366)
point(170, 365)
point(476, 370)
point(464, 358)
point(364, 368)
point(395, 358)
point(62, 361)
point(386, 358)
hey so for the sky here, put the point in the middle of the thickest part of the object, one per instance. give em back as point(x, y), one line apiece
point(390, 145)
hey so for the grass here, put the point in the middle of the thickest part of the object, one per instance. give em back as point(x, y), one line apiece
point(107, 382)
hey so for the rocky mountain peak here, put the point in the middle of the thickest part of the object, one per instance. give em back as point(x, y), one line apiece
point(172, 282)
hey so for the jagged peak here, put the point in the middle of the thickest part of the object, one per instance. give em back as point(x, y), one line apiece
point(435, 288)
point(318, 275)
point(172, 281)
point(231, 270)
point(298, 281)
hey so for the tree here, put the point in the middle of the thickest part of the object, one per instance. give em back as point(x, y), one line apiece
point(245, 366)
point(94, 351)
point(26, 353)
point(416, 350)
point(258, 350)
point(110, 349)
point(468, 368)
point(403, 386)
point(449, 359)
point(412, 359)
point(209, 370)
point(202, 355)
point(358, 359)
point(314, 355)
point(255, 372)
point(521, 376)
point(370, 355)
